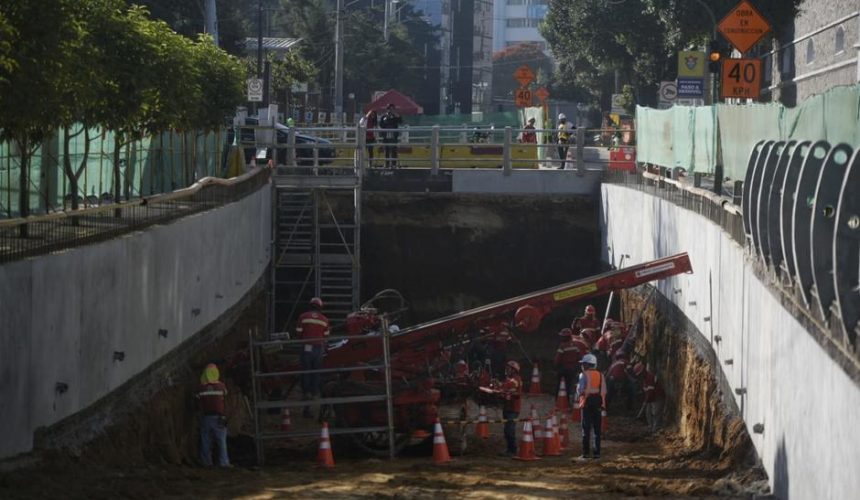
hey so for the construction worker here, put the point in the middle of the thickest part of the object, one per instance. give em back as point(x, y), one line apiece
point(213, 424)
point(567, 358)
point(589, 319)
point(512, 390)
point(654, 396)
point(497, 349)
point(591, 392)
point(314, 327)
point(562, 139)
point(620, 382)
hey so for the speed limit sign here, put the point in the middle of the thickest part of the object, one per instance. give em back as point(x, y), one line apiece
point(523, 97)
point(741, 78)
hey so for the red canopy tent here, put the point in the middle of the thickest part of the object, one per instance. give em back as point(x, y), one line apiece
point(405, 105)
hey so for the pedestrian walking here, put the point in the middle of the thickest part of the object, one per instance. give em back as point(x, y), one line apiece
point(213, 422)
point(591, 393)
point(390, 122)
point(313, 326)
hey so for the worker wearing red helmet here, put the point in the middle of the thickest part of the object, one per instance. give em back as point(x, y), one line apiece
point(567, 358)
point(512, 390)
point(313, 326)
point(620, 380)
point(654, 395)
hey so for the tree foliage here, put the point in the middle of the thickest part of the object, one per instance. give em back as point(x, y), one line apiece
point(639, 38)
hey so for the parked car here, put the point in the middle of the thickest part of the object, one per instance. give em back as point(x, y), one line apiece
point(305, 145)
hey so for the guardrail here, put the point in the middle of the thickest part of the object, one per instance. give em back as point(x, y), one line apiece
point(435, 147)
point(37, 235)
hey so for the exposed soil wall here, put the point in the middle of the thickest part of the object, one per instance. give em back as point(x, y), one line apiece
point(698, 402)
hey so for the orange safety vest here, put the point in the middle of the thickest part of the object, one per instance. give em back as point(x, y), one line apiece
point(593, 387)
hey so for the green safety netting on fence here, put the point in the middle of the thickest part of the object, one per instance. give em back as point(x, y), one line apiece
point(684, 136)
point(155, 164)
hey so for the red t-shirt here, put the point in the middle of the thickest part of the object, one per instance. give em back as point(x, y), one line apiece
point(211, 397)
point(568, 354)
point(513, 388)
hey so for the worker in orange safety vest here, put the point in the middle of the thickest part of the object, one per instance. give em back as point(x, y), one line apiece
point(313, 326)
point(591, 392)
point(213, 423)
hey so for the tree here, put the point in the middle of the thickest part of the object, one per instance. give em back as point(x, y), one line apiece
point(8, 35)
point(235, 19)
point(33, 90)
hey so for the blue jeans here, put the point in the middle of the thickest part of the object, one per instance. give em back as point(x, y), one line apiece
point(311, 360)
point(511, 430)
point(211, 427)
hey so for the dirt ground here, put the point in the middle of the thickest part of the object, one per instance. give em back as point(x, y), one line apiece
point(634, 464)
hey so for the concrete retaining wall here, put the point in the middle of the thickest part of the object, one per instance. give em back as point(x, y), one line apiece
point(565, 182)
point(64, 316)
point(810, 446)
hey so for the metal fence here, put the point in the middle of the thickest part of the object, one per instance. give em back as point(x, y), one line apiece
point(20, 238)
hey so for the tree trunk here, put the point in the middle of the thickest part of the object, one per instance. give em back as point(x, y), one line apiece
point(24, 185)
point(117, 173)
point(67, 168)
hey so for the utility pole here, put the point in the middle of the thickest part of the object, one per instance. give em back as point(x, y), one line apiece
point(338, 65)
point(211, 20)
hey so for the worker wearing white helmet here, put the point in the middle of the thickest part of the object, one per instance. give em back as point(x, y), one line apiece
point(591, 392)
point(562, 139)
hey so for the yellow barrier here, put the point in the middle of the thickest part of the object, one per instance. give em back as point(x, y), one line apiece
point(418, 155)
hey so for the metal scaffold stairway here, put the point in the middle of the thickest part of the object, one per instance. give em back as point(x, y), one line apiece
point(316, 248)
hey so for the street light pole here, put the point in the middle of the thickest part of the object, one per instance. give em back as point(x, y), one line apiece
point(338, 65)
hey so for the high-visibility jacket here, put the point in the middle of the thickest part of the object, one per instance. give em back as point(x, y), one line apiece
point(211, 397)
point(313, 325)
point(651, 388)
point(512, 387)
point(591, 383)
point(582, 343)
point(618, 369)
point(568, 354)
point(563, 132)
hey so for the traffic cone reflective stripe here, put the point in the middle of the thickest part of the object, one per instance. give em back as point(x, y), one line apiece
point(561, 399)
point(324, 456)
point(527, 444)
point(535, 420)
point(286, 423)
point(556, 433)
point(534, 388)
point(576, 414)
point(565, 432)
point(483, 428)
point(549, 442)
point(440, 447)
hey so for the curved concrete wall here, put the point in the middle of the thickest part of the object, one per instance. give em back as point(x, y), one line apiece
point(808, 405)
point(63, 316)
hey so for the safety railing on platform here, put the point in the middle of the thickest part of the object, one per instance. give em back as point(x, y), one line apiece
point(37, 235)
point(337, 150)
point(281, 378)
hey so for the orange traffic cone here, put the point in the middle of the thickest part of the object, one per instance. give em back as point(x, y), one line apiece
point(604, 423)
point(534, 388)
point(556, 433)
point(527, 444)
point(324, 457)
point(286, 423)
point(549, 442)
point(483, 428)
point(561, 399)
point(535, 418)
point(576, 414)
point(565, 432)
point(440, 448)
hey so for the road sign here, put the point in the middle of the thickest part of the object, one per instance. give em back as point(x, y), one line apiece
point(542, 94)
point(255, 89)
point(691, 87)
point(691, 64)
point(744, 26)
point(524, 75)
point(667, 95)
point(741, 78)
point(617, 104)
point(524, 98)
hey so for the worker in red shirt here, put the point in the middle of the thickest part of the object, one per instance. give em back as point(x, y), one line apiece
point(620, 381)
point(497, 349)
point(654, 396)
point(567, 358)
point(314, 327)
point(589, 319)
point(591, 391)
point(213, 424)
point(512, 390)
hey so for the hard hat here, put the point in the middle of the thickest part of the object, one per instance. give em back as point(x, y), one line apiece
point(638, 369)
point(210, 374)
point(565, 332)
point(589, 359)
point(393, 329)
point(316, 301)
point(513, 364)
point(589, 309)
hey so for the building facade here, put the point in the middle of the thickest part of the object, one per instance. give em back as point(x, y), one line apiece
point(818, 51)
point(467, 56)
point(517, 21)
